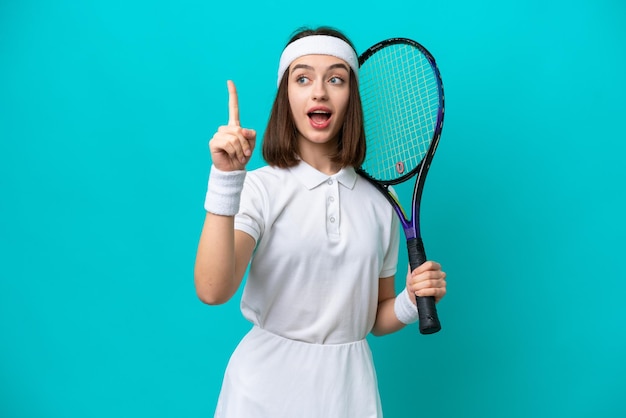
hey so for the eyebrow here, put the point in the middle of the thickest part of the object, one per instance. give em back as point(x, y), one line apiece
point(331, 67)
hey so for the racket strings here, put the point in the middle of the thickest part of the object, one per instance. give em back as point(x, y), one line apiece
point(400, 97)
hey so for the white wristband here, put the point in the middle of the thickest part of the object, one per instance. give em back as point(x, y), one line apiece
point(224, 191)
point(405, 310)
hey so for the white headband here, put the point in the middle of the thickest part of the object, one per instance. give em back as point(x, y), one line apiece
point(317, 45)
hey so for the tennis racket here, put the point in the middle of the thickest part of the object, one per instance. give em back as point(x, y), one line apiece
point(403, 106)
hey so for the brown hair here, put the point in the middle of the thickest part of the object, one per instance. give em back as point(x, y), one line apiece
point(280, 146)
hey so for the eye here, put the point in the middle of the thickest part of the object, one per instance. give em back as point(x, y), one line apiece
point(336, 80)
point(301, 79)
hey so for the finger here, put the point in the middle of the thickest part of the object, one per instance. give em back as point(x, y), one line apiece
point(243, 148)
point(233, 150)
point(433, 282)
point(428, 276)
point(429, 288)
point(241, 145)
point(437, 293)
point(250, 136)
point(237, 140)
point(428, 265)
point(233, 104)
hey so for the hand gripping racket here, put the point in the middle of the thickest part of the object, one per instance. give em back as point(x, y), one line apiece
point(403, 107)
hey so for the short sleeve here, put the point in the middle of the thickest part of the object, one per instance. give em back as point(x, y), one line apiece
point(390, 262)
point(250, 217)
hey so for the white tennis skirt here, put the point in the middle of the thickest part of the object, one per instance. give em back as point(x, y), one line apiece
point(269, 376)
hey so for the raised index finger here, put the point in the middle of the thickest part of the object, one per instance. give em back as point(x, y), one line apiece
point(233, 105)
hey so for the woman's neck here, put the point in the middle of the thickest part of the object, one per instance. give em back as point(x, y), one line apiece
point(318, 156)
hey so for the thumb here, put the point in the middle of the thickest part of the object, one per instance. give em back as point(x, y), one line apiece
point(250, 134)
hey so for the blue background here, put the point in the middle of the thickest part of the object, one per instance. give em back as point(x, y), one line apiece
point(106, 108)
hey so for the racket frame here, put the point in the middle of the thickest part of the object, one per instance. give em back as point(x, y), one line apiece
point(429, 321)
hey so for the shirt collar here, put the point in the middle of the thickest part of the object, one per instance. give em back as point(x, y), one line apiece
point(311, 177)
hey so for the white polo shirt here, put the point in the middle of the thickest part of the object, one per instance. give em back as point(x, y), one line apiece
point(322, 244)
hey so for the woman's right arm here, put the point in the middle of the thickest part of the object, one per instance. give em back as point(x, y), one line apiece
point(222, 258)
point(224, 253)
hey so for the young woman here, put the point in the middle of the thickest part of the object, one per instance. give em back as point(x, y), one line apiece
point(321, 244)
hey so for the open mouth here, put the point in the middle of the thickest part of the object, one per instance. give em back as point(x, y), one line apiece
point(319, 118)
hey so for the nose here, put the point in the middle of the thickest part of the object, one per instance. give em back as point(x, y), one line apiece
point(319, 90)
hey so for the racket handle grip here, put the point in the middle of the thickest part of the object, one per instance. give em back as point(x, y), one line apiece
point(428, 318)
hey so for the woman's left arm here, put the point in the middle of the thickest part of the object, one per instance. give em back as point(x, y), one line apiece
point(426, 280)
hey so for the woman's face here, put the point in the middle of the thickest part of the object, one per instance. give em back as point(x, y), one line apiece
point(318, 91)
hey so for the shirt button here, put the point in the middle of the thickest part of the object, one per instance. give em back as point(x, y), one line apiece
point(330, 182)
point(332, 219)
point(331, 199)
